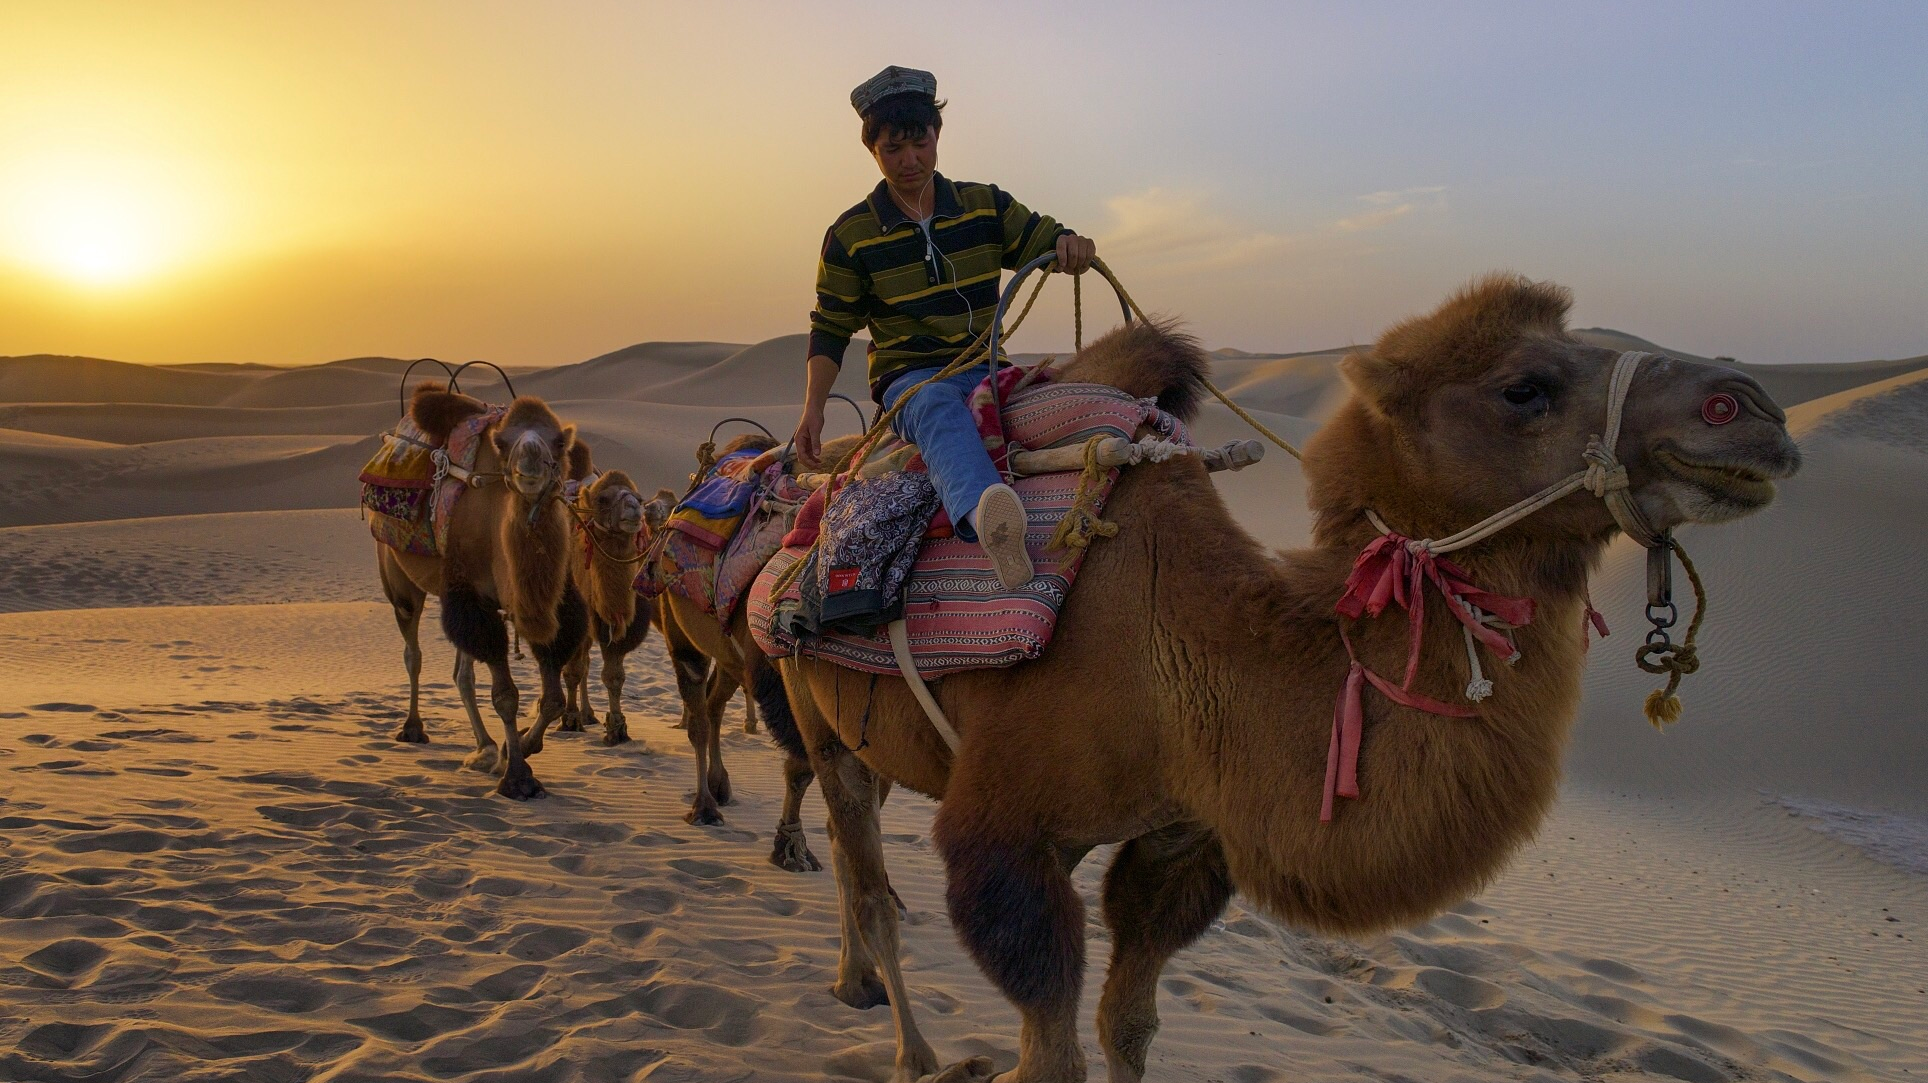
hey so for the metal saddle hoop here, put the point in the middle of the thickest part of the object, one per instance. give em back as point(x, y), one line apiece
point(1010, 291)
point(454, 377)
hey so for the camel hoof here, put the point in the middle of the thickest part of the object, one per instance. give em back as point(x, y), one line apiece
point(519, 785)
point(484, 759)
point(865, 995)
point(703, 816)
point(531, 742)
point(750, 724)
point(412, 733)
point(965, 1071)
point(792, 851)
point(720, 787)
point(571, 722)
point(615, 730)
point(903, 912)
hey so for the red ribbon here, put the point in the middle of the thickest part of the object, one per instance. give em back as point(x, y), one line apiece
point(1392, 571)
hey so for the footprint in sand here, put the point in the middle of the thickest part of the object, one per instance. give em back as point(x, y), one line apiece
point(417, 1024)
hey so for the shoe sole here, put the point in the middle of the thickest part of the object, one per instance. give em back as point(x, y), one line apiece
point(1001, 524)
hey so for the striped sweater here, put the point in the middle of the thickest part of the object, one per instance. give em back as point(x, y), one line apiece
point(922, 300)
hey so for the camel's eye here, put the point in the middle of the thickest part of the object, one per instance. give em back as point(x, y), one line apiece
point(1524, 394)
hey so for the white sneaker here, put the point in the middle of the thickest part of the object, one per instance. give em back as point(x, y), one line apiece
point(1000, 525)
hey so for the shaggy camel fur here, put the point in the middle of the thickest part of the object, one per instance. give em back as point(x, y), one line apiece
point(711, 662)
point(613, 525)
point(508, 549)
point(1186, 705)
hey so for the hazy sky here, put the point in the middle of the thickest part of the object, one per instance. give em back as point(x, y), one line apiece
point(541, 183)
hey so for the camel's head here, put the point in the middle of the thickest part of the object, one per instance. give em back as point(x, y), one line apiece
point(614, 505)
point(533, 447)
point(656, 512)
point(1487, 401)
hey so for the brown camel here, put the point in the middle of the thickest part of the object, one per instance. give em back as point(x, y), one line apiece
point(711, 662)
point(508, 549)
point(612, 526)
point(1186, 706)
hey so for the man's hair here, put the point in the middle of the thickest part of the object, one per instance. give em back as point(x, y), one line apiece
point(905, 116)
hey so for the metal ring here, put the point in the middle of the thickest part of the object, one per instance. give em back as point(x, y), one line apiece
point(1672, 618)
point(506, 382)
point(401, 393)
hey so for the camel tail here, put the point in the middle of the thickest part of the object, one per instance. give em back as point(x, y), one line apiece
point(766, 684)
point(1151, 359)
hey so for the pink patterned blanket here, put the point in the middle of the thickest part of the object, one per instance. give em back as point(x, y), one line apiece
point(956, 613)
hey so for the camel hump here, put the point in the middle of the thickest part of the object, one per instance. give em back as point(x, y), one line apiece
point(749, 441)
point(436, 410)
point(580, 463)
point(1151, 359)
point(836, 453)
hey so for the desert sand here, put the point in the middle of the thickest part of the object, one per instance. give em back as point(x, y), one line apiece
point(217, 865)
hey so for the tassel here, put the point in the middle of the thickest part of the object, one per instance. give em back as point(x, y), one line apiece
point(1663, 707)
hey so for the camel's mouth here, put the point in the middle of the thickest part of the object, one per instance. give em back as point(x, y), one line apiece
point(1737, 484)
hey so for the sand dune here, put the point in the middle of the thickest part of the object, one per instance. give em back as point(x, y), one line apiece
point(217, 865)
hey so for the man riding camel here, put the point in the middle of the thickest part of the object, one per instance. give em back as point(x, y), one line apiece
point(918, 264)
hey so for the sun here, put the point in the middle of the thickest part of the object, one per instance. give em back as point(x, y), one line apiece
point(94, 224)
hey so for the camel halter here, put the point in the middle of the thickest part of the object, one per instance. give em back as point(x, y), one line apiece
point(1396, 570)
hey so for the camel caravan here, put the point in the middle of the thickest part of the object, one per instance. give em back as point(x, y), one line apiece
point(1231, 718)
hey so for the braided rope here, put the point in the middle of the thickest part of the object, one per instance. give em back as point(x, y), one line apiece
point(1081, 523)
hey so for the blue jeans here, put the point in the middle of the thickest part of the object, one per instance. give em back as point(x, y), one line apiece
point(938, 421)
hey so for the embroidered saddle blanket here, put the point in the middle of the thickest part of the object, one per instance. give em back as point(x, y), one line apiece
point(957, 615)
point(721, 535)
point(407, 488)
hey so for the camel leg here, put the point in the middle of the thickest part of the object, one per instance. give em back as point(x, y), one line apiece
point(477, 629)
point(717, 693)
point(765, 688)
point(572, 624)
point(692, 672)
point(749, 712)
point(485, 757)
point(1013, 905)
point(407, 601)
point(1162, 892)
point(576, 710)
point(791, 851)
point(615, 723)
point(869, 914)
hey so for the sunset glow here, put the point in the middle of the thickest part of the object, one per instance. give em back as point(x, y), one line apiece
point(105, 229)
point(300, 183)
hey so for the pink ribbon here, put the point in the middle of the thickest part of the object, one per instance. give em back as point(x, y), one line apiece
point(1392, 571)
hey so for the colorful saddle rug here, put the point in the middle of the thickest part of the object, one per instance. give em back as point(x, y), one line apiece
point(407, 489)
point(957, 615)
point(721, 535)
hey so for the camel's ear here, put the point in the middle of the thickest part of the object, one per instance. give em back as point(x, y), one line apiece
point(580, 466)
point(1385, 385)
point(565, 443)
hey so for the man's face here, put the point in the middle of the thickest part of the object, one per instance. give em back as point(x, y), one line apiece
point(907, 163)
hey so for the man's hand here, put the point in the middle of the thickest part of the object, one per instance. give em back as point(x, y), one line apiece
point(808, 439)
point(1075, 253)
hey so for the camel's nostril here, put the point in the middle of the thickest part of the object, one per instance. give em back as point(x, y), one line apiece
point(1720, 408)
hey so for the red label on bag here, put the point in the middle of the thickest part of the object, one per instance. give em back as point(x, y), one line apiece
point(843, 578)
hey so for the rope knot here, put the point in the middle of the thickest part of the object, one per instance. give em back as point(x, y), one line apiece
point(1081, 524)
point(1604, 473)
